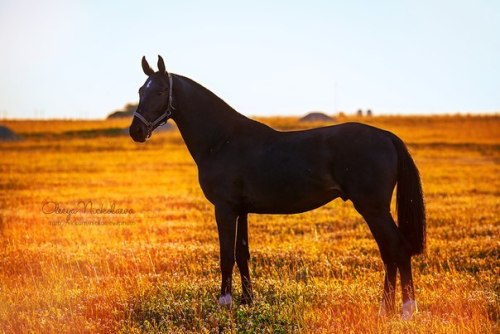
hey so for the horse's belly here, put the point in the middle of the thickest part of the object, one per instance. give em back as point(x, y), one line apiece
point(289, 201)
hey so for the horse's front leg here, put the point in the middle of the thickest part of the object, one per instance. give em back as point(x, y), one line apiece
point(242, 257)
point(226, 225)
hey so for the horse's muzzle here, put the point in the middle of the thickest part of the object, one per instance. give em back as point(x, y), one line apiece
point(138, 133)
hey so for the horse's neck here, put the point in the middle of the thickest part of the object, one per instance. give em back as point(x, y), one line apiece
point(203, 119)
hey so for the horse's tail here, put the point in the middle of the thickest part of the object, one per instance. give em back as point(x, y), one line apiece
point(410, 200)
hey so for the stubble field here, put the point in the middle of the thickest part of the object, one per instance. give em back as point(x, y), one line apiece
point(100, 234)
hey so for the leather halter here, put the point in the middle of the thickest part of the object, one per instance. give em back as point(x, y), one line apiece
point(164, 117)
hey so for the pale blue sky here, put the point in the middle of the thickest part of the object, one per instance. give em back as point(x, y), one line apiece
point(74, 59)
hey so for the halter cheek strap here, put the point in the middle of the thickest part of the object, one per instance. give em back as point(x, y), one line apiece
point(163, 118)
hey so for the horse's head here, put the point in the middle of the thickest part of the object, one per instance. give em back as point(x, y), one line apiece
point(155, 102)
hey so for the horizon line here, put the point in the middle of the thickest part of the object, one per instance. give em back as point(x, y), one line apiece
point(338, 114)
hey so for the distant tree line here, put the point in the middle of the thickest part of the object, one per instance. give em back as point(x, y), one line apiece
point(127, 111)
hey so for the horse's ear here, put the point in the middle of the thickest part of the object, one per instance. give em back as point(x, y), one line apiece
point(161, 65)
point(146, 68)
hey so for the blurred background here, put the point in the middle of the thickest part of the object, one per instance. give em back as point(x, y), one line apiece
point(81, 59)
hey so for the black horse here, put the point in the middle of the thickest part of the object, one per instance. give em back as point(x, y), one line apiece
point(247, 167)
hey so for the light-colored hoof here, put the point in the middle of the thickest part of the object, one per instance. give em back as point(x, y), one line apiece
point(225, 300)
point(409, 308)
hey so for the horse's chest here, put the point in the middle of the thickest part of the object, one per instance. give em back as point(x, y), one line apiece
point(219, 184)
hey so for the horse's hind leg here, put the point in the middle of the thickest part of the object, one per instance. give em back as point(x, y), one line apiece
point(409, 303)
point(394, 254)
point(389, 297)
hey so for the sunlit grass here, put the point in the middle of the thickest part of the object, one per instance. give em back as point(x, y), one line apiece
point(157, 269)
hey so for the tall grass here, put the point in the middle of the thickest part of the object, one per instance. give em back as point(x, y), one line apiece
point(156, 269)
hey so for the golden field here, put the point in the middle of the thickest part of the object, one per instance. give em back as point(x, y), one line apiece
point(151, 265)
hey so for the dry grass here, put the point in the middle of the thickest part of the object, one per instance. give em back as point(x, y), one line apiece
point(156, 270)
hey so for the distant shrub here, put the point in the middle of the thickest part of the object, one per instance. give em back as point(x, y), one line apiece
point(128, 111)
point(316, 117)
point(7, 134)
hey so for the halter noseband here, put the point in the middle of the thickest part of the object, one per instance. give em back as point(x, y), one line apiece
point(167, 114)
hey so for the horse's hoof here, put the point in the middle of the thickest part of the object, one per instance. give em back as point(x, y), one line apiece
point(225, 300)
point(386, 310)
point(246, 301)
point(409, 308)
